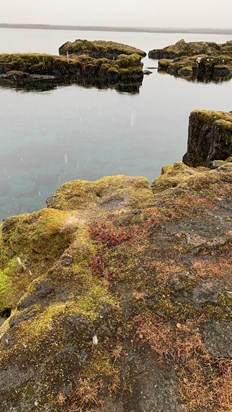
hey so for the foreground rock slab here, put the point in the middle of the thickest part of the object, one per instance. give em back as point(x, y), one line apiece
point(118, 296)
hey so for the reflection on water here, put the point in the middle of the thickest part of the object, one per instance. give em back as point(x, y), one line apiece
point(48, 85)
point(52, 135)
point(200, 78)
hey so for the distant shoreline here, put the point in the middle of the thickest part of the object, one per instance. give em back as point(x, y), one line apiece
point(117, 29)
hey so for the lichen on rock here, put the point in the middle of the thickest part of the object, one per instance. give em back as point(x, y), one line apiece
point(204, 61)
point(32, 69)
point(210, 137)
point(183, 48)
point(120, 296)
point(99, 49)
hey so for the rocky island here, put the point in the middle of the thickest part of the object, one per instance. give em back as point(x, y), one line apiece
point(123, 66)
point(183, 48)
point(118, 295)
point(204, 61)
point(99, 49)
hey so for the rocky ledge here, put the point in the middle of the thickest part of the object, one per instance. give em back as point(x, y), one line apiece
point(209, 138)
point(196, 60)
point(98, 49)
point(118, 296)
point(26, 69)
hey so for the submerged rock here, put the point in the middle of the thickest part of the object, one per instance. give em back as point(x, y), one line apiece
point(210, 137)
point(147, 72)
point(98, 49)
point(118, 296)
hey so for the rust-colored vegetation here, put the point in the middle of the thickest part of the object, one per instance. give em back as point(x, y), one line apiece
point(205, 382)
point(108, 234)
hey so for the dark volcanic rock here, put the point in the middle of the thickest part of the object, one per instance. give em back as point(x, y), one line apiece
point(210, 137)
point(147, 72)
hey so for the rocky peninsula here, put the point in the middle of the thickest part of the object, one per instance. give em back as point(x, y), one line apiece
point(118, 295)
point(204, 61)
point(124, 67)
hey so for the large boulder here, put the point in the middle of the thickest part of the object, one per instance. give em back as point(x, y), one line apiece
point(209, 138)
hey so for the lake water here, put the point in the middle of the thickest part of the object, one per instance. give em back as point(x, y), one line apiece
point(73, 132)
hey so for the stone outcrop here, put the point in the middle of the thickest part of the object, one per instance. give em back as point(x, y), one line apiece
point(118, 296)
point(210, 137)
point(200, 67)
point(98, 49)
point(196, 60)
point(182, 48)
point(25, 69)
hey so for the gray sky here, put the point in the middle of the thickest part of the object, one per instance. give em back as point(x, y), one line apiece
point(145, 13)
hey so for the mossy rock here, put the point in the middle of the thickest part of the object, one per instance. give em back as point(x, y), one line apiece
point(210, 137)
point(182, 48)
point(29, 245)
point(120, 294)
point(29, 68)
point(185, 71)
point(196, 60)
point(99, 49)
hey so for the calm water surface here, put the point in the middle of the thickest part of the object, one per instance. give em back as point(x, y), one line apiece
point(72, 132)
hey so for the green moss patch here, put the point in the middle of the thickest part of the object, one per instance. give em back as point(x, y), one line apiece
point(99, 48)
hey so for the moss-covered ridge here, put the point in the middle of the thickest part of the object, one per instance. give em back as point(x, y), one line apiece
point(26, 68)
point(183, 48)
point(99, 49)
point(120, 294)
point(204, 61)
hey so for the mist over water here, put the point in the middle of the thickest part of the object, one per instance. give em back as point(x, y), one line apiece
point(74, 132)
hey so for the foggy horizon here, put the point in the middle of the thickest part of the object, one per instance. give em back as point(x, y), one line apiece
point(12, 23)
point(163, 14)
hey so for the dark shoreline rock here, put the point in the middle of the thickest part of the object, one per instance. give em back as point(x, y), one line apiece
point(209, 137)
point(147, 72)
